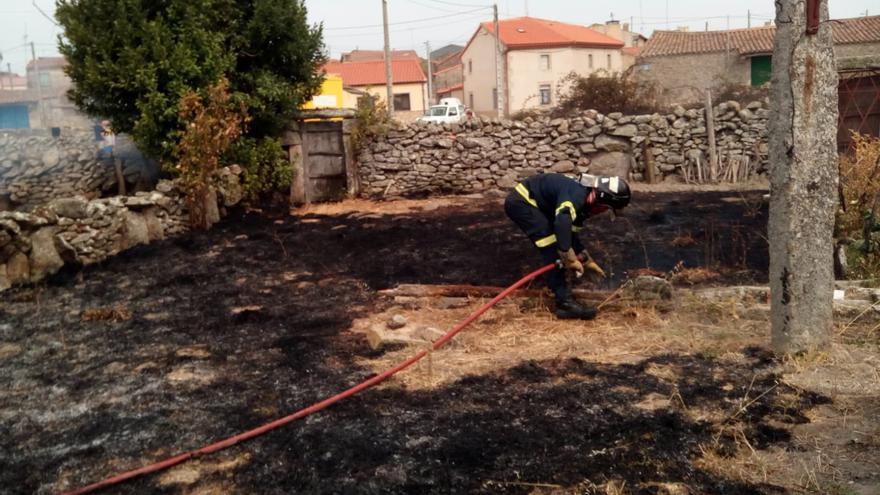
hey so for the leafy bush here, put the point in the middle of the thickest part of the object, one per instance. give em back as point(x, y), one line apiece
point(858, 220)
point(606, 93)
point(212, 124)
point(135, 61)
point(742, 93)
point(265, 167)
point(371, 120)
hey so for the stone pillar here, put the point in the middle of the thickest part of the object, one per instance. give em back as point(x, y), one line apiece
point(803, 179)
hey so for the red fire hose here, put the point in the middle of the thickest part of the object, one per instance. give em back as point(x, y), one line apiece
point(222, 444)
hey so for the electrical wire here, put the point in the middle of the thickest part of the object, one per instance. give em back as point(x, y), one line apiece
point(411, 21)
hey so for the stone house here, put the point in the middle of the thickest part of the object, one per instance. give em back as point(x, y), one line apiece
point(368, 78)
point(449, 77)
point(683, 64)
point(44, 103)
point(537, 55)
point(632, 41)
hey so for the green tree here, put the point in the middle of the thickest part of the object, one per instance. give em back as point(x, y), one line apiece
point(132, 61)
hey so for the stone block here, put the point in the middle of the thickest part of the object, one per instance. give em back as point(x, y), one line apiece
point(74, 208)
point(136, 231)
point(607, 143)
point(628, 130)
point(44, 258)
point(611, 163)
point(563, 166)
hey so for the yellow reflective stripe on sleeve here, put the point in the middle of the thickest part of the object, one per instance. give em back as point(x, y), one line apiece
point(571, 210)
point(575, 228)
point(546, 241)
point(521, 189)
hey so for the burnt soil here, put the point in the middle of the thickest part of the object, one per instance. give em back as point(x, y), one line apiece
point(268, 301)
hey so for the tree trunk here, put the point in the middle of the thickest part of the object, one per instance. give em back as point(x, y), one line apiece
point(803, 179)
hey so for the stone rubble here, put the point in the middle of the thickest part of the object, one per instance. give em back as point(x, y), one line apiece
point(36, 168)
point(78, 231)
point(488, 153)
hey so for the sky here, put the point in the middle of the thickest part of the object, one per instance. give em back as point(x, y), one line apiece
point(350, 24)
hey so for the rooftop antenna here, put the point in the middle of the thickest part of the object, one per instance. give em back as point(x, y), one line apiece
point(526, 2)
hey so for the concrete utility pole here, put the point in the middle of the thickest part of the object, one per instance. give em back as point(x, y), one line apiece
point(389, 84)
point(499, 64)
point(430, 75)
point(803, 176)
point(749, 17)
point(40, 104)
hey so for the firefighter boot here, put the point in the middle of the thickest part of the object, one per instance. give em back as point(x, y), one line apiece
point(569, 309)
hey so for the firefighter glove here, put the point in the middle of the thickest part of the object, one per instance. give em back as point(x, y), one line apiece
point(591, 265)
point(570, 262)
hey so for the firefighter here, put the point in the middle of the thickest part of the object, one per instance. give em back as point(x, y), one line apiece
point(551, 209)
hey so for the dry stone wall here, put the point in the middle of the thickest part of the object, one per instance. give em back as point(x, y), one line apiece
point(78, 231)
point(36, 167)
point(489, 153)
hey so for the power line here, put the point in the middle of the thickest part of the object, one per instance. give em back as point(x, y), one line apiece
point(411, 21)
point(47, 16)
point(454, 4)
point(428, 6)
point(373, 32)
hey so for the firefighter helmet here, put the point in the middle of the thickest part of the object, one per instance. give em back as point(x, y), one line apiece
point(611, 191)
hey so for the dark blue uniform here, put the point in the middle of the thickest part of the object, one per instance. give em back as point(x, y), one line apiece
point(550, 209)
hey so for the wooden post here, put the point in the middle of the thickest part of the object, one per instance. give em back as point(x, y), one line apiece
point(304, 153)
point(649, 165)
point(120, 179)
point(710, 132)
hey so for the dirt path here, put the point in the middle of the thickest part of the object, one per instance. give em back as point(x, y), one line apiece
point(174, 345)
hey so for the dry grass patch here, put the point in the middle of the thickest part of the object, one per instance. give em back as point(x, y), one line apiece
point(113, 313)
point(518, 330)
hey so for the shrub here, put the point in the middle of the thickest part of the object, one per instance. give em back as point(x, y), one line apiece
point(742, 93)
point(371, 120)
point(606, 93)
point(212, 124)
point(266, 169)
point(857, 223)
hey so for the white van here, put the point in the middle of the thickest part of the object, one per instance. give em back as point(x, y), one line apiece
point(449, 111)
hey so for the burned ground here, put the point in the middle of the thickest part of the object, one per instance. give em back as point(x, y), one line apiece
point(219, 332)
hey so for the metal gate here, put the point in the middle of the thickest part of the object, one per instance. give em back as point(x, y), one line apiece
point(859, 105)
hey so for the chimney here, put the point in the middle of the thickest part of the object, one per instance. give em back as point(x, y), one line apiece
point(612, 29)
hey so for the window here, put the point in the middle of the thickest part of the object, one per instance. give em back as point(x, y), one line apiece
point(44, 80)
point(470, 66)
point(401, 101)
point(609, 61)
point(471, 100)
point(452, 111)
point(544, 91)
point(544, 63)
point(494, 98)
point(590, 60)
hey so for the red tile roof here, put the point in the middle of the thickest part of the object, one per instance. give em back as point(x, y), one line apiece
point(531, 32)
point(370, 55)
point(752, 41)
point(450, 88)
point(373, 72)
point(48, 62)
